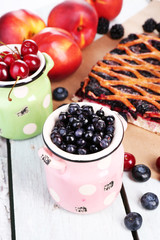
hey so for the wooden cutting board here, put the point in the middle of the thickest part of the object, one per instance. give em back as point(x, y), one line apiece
point(143, 144)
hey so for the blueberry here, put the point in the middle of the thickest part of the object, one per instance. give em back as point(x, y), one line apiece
point(63, 116)
point(77, 124)
point(88, 135)
point(73, 108)
point(57, 140)
point(79, 132)
point(90, 127)
point(83, 119)
point(100, 113)
point(60, 93)
point(62, 131)
point(72, 119)
point(110, 129)
point(81, 142)
point(82, 151)
point(141, 173)
point(71, 148)
point(95, 118)
point(54, 132)
point(149, 201)
point(94, 148)
point(104, 143)
point(63, 146)
point(87, 110)
point(70, 138)
point(59, 124)
point(100, 125)
point(133, 221)
point(108, 138)
point(110, 120)
point(96, 138)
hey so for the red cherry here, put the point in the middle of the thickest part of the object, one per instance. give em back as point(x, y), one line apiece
point(32, 61)
point(29, 47)
point(2, 54)
point(19, 69)
point(10, 58)
point(4, 72)
point(129, 161)
point(158, 163)
point(1, 58)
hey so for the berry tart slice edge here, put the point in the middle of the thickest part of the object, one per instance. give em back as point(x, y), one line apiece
point(127, 80)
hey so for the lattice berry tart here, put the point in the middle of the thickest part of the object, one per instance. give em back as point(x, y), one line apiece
point(128, 80)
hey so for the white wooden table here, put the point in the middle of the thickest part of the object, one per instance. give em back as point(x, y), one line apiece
point(27, 211)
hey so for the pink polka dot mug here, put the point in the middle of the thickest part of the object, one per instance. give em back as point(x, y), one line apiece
point(31, 104)
point(83, 183)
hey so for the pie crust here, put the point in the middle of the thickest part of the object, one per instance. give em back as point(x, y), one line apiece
point(127, 80)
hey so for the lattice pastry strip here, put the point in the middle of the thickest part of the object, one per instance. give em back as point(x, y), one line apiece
point(134, 64)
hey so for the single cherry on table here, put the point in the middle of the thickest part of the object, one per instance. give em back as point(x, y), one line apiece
point(129, 161)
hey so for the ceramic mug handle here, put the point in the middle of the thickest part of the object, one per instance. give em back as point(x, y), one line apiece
point(50, 159)
point(49, 63)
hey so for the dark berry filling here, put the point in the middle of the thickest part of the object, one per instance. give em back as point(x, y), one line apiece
point(139, 48)
point(155, 44)
point(118, 51)
point(147, 74)
point(153, 61)
point(150, 91)
point(104, 75)
point(111, 62)
point(83, 131)
point(126, 89)
point(127, 73)
point(143, 106)
point(131, 61)
point(130, 38)
point(96, 88)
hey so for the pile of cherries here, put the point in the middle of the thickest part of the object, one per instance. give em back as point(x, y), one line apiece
point(82, 131)
point(19, 64)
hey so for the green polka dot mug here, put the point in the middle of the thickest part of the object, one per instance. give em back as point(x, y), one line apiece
point(24, 116)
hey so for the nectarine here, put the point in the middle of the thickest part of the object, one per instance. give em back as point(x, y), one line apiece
point(108, 9)
point(15, 26)
point(62, 48)
point(77, 17)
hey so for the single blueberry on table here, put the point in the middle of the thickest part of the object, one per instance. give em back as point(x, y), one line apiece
point(149, 201)
point(133, 221)
point(141, 173)
point(60, 93)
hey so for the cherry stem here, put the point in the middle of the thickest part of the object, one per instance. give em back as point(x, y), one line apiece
point(10, 99)
point(7, 46)
point(17, 50)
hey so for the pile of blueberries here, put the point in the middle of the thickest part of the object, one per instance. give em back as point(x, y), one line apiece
point(82, 131)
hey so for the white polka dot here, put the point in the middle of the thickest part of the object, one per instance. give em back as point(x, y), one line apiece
point(46, 101)
point(104, 163)
point(109, 199)
point(30, 128)
point(54, 195)
point(20, 92)
point(87, 189)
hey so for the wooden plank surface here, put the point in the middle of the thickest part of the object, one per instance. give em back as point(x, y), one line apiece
point(37, 217)
point(5, 224)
